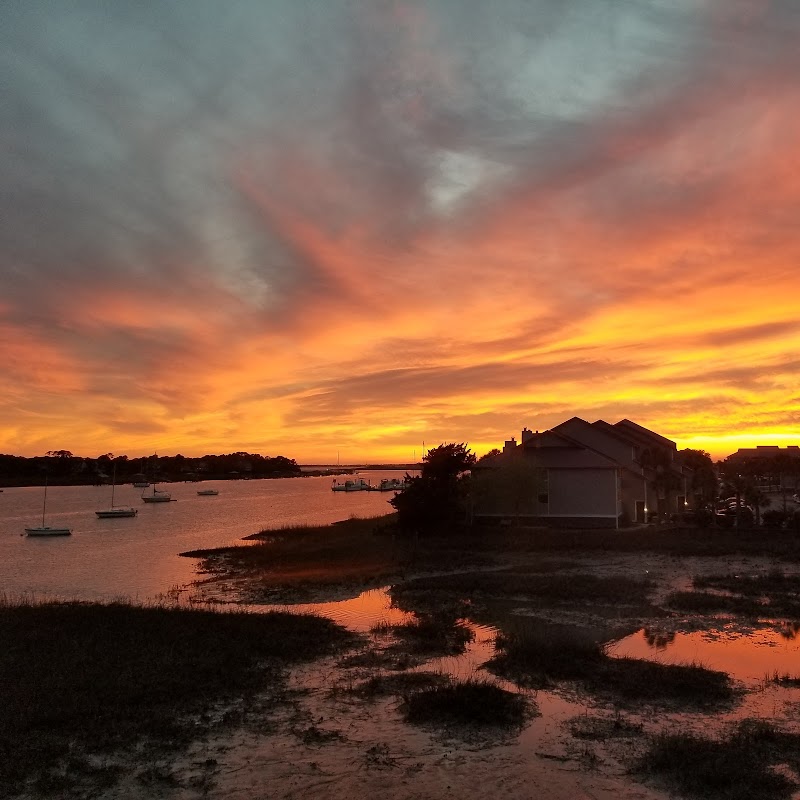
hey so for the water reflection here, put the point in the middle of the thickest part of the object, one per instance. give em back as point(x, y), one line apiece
point(789, 630)
point(747, 654)
point(658, 639)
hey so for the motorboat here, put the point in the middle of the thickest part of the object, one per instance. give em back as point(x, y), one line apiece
point(389, 485)
point(208, 492)
point(356, 485)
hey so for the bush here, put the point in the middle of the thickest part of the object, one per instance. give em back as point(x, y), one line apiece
point(471, 702)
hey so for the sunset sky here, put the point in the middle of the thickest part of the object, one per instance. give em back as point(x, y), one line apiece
point(324, 228)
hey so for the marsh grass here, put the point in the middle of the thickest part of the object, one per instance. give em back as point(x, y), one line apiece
point(710, 603)
point(539, 655)
point(748, 606)
point(354, 550)
point(89, 678)
point(773, 582)
point(787, 680)
point(773, 593)
point(492, 595)
point(650, 681)
point(470, 702)
point(736, 767)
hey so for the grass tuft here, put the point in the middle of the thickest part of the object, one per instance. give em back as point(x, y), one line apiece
point(789, 681)
point(537, 654)
point(467, 702)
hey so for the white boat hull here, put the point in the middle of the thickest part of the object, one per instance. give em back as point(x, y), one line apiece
point(46, 531)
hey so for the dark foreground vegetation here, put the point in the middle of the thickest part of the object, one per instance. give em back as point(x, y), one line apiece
point(739, 766)
point(79, 683)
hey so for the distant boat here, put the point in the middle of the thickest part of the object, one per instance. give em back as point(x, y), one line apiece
point(44, 530)
point(389, 485)
point(157, 496)
point(116, 511)
point(141, 484)
point(208, 492)
point(357, 485)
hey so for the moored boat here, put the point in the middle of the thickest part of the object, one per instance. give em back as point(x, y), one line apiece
point(116, 511)
point(46, 530)
point(389, 485)
point(208, 492)
point(157, 496)
point(356, 485)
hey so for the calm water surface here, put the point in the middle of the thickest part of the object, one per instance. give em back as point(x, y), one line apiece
point(137, 557)
point(746, 655)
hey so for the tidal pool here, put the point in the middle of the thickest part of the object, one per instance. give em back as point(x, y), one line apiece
point(747, 654)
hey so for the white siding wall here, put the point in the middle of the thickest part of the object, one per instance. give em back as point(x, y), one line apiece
point(582, 492)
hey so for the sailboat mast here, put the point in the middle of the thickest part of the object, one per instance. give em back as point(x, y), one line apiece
point(44, 502)
point(113, 482)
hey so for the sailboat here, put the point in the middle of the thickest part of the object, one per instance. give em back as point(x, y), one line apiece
point(45, 530)
point(116, 511)
point(156, 496)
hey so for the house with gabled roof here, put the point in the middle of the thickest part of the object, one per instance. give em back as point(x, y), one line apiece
point(582, 473)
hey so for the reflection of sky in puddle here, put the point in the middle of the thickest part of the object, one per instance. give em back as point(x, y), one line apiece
point(358, 614)
point(747, 656)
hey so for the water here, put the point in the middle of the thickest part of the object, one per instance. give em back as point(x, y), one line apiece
point(747, 655)
point(137, 558)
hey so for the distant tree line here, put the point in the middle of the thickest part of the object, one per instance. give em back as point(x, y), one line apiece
point(62, 467)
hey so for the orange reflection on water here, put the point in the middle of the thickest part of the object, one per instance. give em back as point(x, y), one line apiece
point(745, 655)
point(360, 613)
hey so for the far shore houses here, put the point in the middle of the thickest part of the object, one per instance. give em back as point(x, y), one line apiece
point(585, 473)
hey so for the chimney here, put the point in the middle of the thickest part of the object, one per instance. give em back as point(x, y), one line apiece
point(526, 434)
point(510, 445)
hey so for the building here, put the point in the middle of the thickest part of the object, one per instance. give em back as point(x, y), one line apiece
point(587, 474)
point(775, 466)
